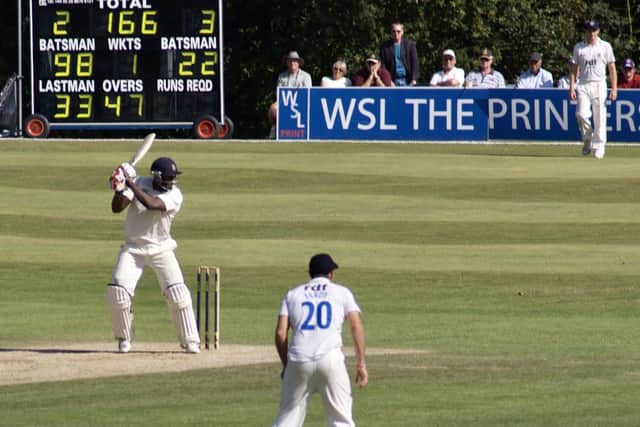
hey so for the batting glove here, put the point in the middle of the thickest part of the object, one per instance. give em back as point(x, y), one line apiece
point(129, 171)
point(117, 180)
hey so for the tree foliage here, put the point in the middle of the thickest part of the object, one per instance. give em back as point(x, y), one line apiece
point(258, 33)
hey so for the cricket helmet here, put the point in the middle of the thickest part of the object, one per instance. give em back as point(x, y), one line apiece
point(165, 167)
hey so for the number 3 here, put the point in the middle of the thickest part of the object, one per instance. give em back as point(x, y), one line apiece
point(322, 314)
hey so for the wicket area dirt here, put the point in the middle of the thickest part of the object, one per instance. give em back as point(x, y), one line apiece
point(98, 360)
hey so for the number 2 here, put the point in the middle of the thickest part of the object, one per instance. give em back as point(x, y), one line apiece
point(59, 26)
point(322, 316)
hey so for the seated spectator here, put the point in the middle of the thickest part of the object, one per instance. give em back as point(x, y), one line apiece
point(450, 75)
point(293, 77)
point(373, 74)
point(563, 82)
point(628, 78)
point(485, 76)
point(338, 76)
point(535, 77)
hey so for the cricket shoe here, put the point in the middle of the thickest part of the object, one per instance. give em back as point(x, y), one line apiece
point(586, 147)
point(192, 347)
point(124, 346)
point(598, 153)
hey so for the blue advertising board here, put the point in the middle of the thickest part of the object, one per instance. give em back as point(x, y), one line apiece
point(434, 114)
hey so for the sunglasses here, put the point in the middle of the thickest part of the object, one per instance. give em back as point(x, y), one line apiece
point(485, 59)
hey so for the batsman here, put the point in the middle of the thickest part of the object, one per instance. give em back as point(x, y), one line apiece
point(153, 203)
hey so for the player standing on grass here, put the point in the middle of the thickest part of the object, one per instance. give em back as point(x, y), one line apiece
point(153, 203)
point(315, 312)
point(590, 60)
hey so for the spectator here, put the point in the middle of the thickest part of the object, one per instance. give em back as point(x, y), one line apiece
point(485, 76)
point(450, 75)
point(373, 74)
point(338, 76)
point(293, 77)
point(563, 82)
point(628, 79)
point(535, 77)
point(592, 57)
point(400, 57)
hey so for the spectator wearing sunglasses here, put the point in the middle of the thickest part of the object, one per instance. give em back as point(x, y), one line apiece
point(338, 76)
point(373, 74)
point(400, 57)
point(485, 76)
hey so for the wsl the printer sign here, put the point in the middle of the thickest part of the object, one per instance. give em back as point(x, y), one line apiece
point(379, 114)
point(293, 112)
point(431, 114)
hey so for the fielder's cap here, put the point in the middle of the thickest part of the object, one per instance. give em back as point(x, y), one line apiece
point(165, 166)
point(293, 55)
point(321, 264)
point(449, 52)
point(628, 63)
point(592, 25)
point(535, 57)
point(486, 53)
point(372, 59)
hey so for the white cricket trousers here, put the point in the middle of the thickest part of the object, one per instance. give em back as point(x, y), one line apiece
point(592, 100)
point(130, 266)
point(330, 378)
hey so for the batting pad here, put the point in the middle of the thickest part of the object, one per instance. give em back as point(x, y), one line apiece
point(180, 306)
point(121, 313)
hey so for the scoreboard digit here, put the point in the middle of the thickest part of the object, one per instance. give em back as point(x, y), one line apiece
point(125, 64)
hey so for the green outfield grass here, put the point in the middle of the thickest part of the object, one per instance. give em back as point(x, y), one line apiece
point(512, 270)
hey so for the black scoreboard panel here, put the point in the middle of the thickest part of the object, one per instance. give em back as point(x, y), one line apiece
point(132, 63)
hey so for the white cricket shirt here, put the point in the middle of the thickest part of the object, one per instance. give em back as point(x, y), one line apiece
point(592, 60)
point(316, 310)
point(147, 228)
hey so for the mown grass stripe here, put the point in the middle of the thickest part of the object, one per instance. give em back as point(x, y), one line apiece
point(215, 207)
point(410, 232)
point(562, 258)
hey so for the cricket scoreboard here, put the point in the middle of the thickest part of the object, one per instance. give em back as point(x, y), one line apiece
point(100, 64)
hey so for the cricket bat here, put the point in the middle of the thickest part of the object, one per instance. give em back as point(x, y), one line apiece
point(143, 149)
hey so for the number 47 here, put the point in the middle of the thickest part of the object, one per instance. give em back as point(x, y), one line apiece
point(317, 316)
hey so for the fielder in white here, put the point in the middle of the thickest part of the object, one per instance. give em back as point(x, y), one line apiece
point(591, 59)
point(153, 203)
point(315, 312)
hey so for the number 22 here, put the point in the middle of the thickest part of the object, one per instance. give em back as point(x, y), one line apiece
point(322, 316)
